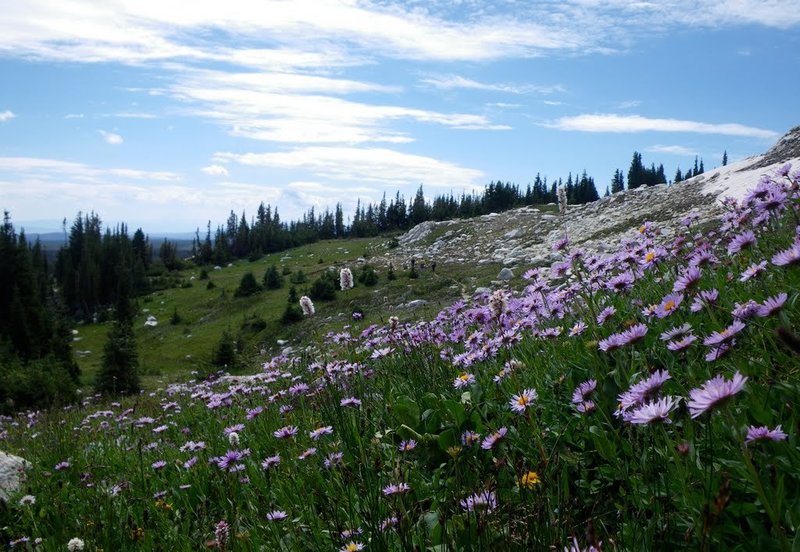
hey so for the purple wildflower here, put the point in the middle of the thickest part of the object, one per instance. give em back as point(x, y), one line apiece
point(703, 299)
point(406, 446)
point(614, 341)
point(687, 279)
point(714, 392)
point(285, 432)
point(634, 334)
point(491, 440)
point(333, 459)
point(159, 464)
point(584, 391)
point(669, 304)
point(682, 343)
point(787, 256)
point(398, 488)
point(725, 335)
point(350, 401)
point(270, 461)
point(675, 332)
point(307, 453)
point(277, 515)
point(605, 314)
point(741, 241)
point(752, 271)
point(468, 438)
point(772, 305)
point(520, 403)
point(745, 310)
point(463, 380)
point(764, 433)
point(484, 502)
point(320, 431)
point(655, 411)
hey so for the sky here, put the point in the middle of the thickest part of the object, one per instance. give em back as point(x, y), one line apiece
point(166, 114)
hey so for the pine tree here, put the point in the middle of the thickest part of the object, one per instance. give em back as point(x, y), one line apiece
point(725, 158)
point(678, 176)
point(119, 372)
point(618, 182)
point(272, 278)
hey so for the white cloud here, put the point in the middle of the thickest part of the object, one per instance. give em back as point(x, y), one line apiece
point(129, 115)
point(215, 170)
point(630, 104)
point(672, 150)
point(55, 169)
point(74, 116)
point(111, 137)
point(379, 165)
point(637, 123)
point(6, 116)
point(449, 82)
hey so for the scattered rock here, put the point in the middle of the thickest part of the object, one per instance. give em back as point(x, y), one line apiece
point(505, 275)
point(12, 474)
point(413, 304)
point(151, 321)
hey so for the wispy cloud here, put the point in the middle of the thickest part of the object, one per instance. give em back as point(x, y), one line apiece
point(637, 123)
point(672, 150)
point(630, 104)
point(74, 116)
point(449, 82)
point(215, 170)
point(379, 165)
point(129, 115)
point(56, 169)
point(111, 137)
point(6, 116)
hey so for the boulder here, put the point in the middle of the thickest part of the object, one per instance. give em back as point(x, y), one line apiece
point(12, 474)
point(505, 275)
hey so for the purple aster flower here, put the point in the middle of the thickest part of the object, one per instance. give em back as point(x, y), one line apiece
point(634, 334)
point(393, 489)
point(687, 279)
point(584, 391)
point(585, 406)
point(655, 411)
point(787, 256)
point(725, 335)
point(350, 401)
point(772, 305)
point(277, 515)
point(620, 282)
point(614, 341)
point(271, 461)
point(158, 464)
point(644, 389)
point(520, 403)
point(190, 462)
point(741, 241)
point(307, 453)
point(491, 440)
point(320, 431)
point(713, 392)
point(752, 271)
point(484, 502)
point(745, 310)
point(352, 546)
point(577, 329)
point(719, 351)
point(333, 459)
point(285, 432)
point(561, 244)
point(605, 314)
point(669, 304)
point(574, 546)
point(703, 299)
point(238, 428)
point(62, 466)
point(406, 446)
point(391, 521)
point(764, 433)
point(682, 343)
point(676, 331)
point(228, 459)
point(463, 380)
point(468, 438)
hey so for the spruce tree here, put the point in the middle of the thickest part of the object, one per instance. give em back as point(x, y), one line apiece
point(119, 372)
point(725, 158)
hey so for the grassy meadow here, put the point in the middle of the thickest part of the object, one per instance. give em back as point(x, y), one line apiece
point(642, 400)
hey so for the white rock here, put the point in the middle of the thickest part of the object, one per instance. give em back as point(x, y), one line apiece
point(12, 474)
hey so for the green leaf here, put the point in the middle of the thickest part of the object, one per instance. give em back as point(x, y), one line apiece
point(406, 411)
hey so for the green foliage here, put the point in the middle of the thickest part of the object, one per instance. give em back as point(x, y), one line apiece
point(40, 383)
point(390, 275)
point(324, 288)
point(272, 278)
point(298, 277)
point(224, 353)
point(203, 274)
point(175, 319)
point(367, 276)
point(247, 286)
point(253, 324)
point(119, 373)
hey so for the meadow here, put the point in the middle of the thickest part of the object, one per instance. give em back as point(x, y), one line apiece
point(641, 400)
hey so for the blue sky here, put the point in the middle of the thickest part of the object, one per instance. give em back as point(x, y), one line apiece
point(166, 114)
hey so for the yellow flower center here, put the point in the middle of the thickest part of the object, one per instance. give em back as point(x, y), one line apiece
point(464, 376)
point(642, 229)
point(352, 547)
point(669, 305)
point(523, 400)
point(650, 256)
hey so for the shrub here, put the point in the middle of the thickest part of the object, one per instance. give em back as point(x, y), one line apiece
point(224, 353)
point(272, 278)
point(368, 276)
point(247, 286)
point(324, 287)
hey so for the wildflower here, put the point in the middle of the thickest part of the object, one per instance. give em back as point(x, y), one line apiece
point(333, 459)
point(620, 282)
point(270, 461)
point(681, 344)
point(75, 545)
point(307, 453)
point(62, 465)
point(352, 546)
point(391, 521)
point(714, 392)
point(575, 547)
point(772, 305)
point(687, 279)
point(399, 488)
point(520, 403)
point(190, 462)
point(676, 331)
point(787, 256)
point(228, 460)
point(605, 314)
point(350, 401)
point(406, 446)
point(306, 305)
point(319, 432)
point(745, 310)
point(251, 413)
point(577, 329)
point(655, 411)
point(633, 334)
point(483, 502)
point(285, 432)
point(644, 389)
point(159, 464)
point(233, 439)
point(725, 335)
point(703, 299)
point(345, 279)
point(741, 241)
point(530, 480)
point(614, 341)
point(669, 304)
point(468, 438)
point(463, 380)
point(27, 500)
point(582, 393)
point(222, 533)
point(491, 440)
point(277, 515)
point(719, 351)
point(752, 271)
point(764, 433)
point(561, 243)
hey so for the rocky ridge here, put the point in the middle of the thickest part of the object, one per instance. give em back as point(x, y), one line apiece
point(523, 238)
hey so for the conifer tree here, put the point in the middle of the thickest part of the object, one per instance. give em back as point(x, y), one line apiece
point(725, 158)
point(119, 373)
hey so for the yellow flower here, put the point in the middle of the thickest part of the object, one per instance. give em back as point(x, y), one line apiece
point(453, 451)
point(530, 480)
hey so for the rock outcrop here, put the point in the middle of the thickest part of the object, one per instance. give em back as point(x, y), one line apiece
point(12, 474)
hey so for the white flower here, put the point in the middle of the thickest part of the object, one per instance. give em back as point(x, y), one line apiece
point(345, 279)
point(75, 545)
point(27, 500)
point(233, 439)
point(307, 306)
